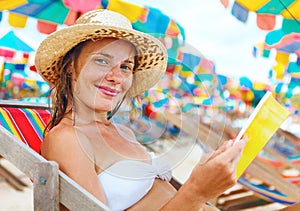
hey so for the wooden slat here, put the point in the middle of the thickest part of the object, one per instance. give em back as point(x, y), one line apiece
point(20, 104)
point(14, 181)
point(24, 158)
point(46, 186)
point(281, 158)
point(242, 202)
point(272, 177)
point(196, 130)
point(288, 135)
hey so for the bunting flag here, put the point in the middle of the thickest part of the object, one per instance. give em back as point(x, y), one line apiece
point(16, 20)
point(266, 21)
point(11, 41)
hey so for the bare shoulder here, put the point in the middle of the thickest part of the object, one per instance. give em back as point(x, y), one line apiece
point(59, 141)
point(61, 134)
point(61, 145)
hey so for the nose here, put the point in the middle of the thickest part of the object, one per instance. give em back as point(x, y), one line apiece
point(114, 75)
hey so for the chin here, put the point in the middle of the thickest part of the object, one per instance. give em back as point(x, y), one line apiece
point(103, 108)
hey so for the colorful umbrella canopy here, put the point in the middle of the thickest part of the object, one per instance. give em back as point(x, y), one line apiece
point(52, 12)
point(266, 11)
point(12, 41)
point(289, 43)
point(190, 81)
point(49, 10)
point(284, 41)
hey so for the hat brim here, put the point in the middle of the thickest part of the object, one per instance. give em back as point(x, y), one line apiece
point(152, 55)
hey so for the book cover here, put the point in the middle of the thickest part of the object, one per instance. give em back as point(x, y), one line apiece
point(264, 121)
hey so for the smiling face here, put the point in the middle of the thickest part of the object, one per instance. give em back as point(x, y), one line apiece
point(103, 73)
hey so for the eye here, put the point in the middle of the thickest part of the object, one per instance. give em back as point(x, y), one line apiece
point(101, 61)
point(127, 67)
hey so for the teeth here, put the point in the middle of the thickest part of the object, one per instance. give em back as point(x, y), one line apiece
point(108, 91)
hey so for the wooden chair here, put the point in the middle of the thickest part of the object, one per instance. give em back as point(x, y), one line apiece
point(50, 186)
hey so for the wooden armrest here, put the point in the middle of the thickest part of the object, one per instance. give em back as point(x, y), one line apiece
point(71, 195)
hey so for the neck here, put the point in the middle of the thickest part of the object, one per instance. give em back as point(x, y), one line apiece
point(93, 117)
point(82, 115)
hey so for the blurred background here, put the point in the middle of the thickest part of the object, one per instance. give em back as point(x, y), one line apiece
point(224, 55)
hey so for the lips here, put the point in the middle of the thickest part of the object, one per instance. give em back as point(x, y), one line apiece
point(108, 91)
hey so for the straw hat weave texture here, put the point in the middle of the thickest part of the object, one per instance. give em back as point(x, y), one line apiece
point(97, 24)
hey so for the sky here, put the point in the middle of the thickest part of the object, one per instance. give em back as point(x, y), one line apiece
point(219, 36)
point(210, 28)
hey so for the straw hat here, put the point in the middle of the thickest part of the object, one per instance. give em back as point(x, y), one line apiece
point(152, 55)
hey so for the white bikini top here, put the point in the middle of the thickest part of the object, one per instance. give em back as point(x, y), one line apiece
point(125, 182)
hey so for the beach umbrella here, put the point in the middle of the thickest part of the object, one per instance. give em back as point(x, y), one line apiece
point(190, 82)
point(289, 43)
point(12, 41)
point(284, 46)
point(53, 12)
point(284, 40)
point(266, 11)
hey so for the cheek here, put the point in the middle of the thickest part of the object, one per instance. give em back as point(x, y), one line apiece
point(127, 83)
point(83, 82)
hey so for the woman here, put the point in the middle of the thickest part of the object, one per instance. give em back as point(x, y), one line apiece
point(94, 65)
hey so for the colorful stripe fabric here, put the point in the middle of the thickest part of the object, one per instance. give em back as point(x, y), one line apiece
point(266, 193)
point(294, 159)
point(26, 124)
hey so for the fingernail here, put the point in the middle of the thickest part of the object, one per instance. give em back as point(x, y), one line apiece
point(229, 143)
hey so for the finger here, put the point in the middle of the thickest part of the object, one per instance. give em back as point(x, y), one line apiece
point(223, 148)
point(238, 149)
point(233, 152)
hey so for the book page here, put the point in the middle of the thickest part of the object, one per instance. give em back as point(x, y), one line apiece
point(260, 127)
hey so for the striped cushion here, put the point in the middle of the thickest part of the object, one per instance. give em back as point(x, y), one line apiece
point(26, 124)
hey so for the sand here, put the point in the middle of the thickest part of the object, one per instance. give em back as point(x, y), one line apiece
point(12, 199)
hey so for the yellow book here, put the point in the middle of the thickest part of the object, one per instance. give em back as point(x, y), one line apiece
point(264, 121)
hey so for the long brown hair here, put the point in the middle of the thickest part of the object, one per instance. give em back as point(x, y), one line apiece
point(62, 91)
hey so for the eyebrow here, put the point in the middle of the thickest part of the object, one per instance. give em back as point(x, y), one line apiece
point(104, 54)
point(111, 57)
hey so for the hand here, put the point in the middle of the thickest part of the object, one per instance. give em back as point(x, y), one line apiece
point(217, 174)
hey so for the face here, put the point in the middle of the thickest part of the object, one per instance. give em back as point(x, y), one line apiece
point(103, 73)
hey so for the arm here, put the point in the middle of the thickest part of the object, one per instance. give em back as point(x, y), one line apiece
point(61, 145)
point(208, 180)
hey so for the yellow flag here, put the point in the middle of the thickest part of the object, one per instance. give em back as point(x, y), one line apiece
point(16, 20)
point(9, 4)
point(260, 127)
point(129, 10)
